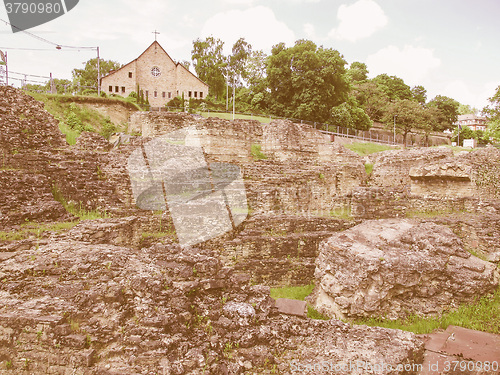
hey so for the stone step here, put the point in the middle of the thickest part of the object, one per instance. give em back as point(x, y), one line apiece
point(460, 350)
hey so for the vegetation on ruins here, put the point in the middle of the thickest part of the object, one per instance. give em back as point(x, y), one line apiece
point(481, 315)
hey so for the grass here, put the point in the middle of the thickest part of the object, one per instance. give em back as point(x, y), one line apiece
point(483, 315)
point(342, 213)
point(71, 135)
point(75, 210)
point(432, 213)
point(299, 293)
point(257, 153)
point(29, 229)
point(368, 168)
point(366, 148)
point(74, 117)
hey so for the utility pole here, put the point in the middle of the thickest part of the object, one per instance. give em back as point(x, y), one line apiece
point(98, 74)
point(234, 99)
point(52, 91)
point(394, 141)
point(6, 70)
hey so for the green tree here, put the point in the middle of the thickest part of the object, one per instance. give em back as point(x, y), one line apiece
point(241, 51)
point(371, 98)
point(185, 63)
point(357, 72)
point(465, 133)
point(465, 109)
point(449, 108)
point(210, 64)
point(492, 112)
point(350, 115)
point(410, 117)
point(419, 93)
point(306, 81)
point(432, 120)
point(87, 77)
point(394, 87)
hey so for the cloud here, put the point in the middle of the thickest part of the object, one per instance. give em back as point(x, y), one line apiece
point(240, 2)
point(413, 64)
point(476, 96)
point(258, 25)
point(359, 20)
point(310, 31)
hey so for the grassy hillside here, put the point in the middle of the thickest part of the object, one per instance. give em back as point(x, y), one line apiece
point(74, 116)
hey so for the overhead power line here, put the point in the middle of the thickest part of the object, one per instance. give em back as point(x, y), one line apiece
point(57, 45)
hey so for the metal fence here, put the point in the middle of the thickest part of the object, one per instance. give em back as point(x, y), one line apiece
point(328, 129)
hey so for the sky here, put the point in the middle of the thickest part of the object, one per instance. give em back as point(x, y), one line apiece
point(450, 47)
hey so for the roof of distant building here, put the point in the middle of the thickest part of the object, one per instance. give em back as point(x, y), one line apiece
point(470, 116)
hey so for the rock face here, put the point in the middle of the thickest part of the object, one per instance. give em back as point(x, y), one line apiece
point(392, 168)
point(285, 140)
point(277, 250)
point(87, 306)
point(391, 268)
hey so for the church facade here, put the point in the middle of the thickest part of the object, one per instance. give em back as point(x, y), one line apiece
point(158, 77)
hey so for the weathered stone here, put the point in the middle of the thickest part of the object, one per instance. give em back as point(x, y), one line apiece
point(291, 307)
point(285, 140)
point(392, 168)
point(391, 268)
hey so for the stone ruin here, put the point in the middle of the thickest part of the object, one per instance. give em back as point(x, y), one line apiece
point(118, 295)
point(396, 268)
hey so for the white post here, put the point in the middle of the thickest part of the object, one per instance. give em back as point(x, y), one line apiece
point(99, 74)
point(6, 70)
point(395, 129)
point(234, 98)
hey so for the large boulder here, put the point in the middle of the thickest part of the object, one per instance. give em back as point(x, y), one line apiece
point(395, 267)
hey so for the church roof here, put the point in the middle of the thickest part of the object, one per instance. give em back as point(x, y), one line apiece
point(151, 45)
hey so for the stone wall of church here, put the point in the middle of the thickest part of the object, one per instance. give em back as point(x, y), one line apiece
point(190, 85)
point(162, 84)
point(173, 80)
point(120, 82)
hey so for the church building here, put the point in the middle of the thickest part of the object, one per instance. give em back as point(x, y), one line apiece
point(158, 77)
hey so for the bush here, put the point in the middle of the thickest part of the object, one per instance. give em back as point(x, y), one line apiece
point(176, 102)
point(107, 128)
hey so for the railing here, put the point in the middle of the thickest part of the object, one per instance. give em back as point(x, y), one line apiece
point(328, 129)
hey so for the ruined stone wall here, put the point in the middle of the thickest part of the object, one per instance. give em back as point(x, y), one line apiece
point(392, 168)
point(157, 123)
point(38, 164)
point(277, 249)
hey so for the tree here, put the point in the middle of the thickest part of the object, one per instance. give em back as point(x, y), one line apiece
point(87, 77)
point(432, 120)
point(256, 69)
point(371, 98)
point(350, 115)
point(241, 51)
point(210, 64)
point(419, 93)
point(492, 112)
point(465, 109)
point(306, 81)
point(185, 63)
point(357, 72)
point(410, 117)
point(449, 108)
point(394, 87)
point(465, 133)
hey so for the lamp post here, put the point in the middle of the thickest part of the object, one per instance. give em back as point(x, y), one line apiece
point(395, 129)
